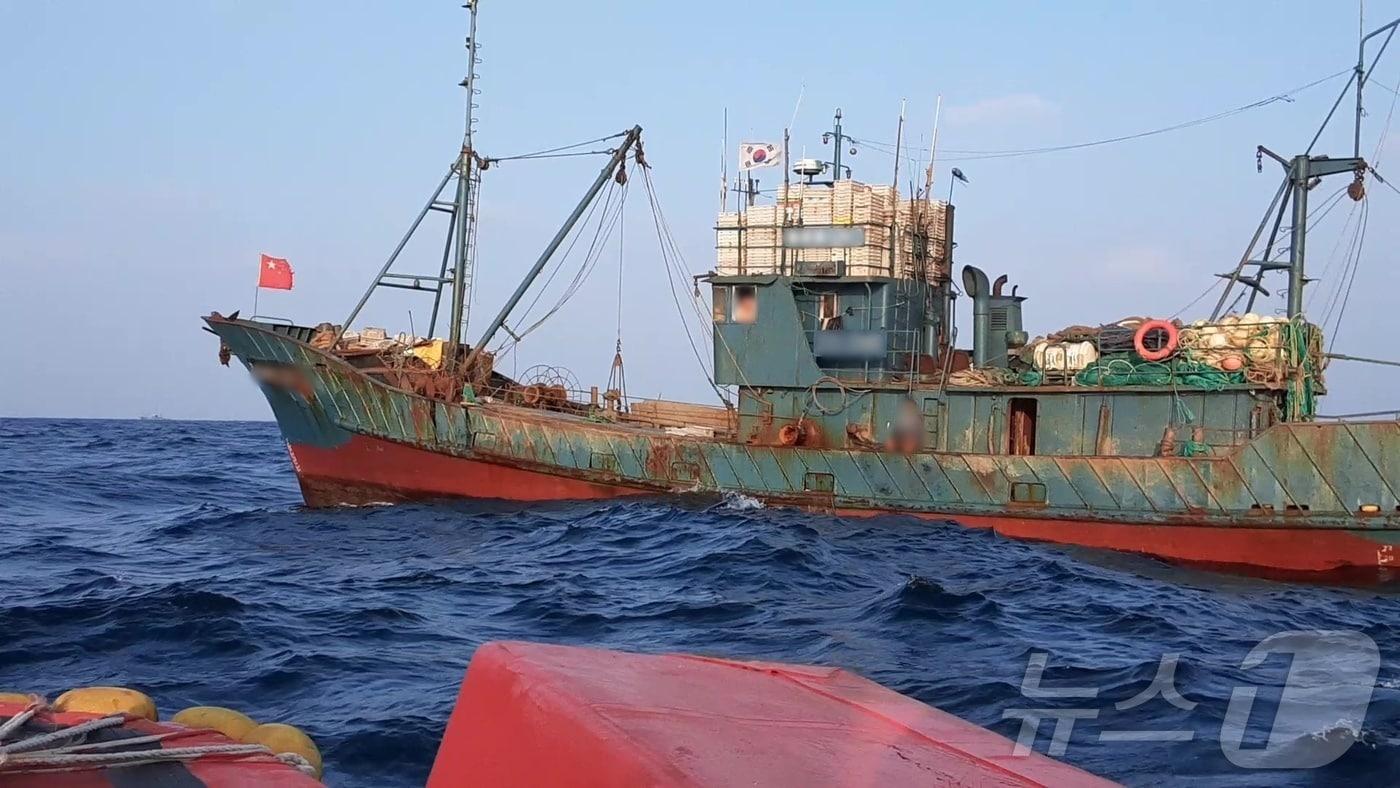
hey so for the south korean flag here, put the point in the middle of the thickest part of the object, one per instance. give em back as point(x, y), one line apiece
point(756, 155)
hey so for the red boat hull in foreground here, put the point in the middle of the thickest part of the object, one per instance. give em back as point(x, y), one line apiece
point(534, 715)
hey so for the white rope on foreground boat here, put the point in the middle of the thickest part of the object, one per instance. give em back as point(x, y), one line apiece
point(35, 742)
point(33, 754)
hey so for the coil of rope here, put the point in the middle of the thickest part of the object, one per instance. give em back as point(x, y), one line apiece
point(845, 390)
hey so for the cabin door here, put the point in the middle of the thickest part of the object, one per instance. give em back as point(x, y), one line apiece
point(1021, 426)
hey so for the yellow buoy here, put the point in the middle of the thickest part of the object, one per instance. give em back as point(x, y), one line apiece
point(16, 697)
point(282, 738)
point(230, 723)
point(107, 700)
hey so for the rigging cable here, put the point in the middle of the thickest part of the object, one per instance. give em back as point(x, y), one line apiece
point(1360, 238)
point(1332, 256)
point(621, 259)
point(532, 157)
point(539, 154)
point(588, 218)
point(1383, 181)
point(1217, 283)
point(1331, 202)
point(617, 373)
point(661, 237)
point(676, 267)
point(973, 155)
point(1355, 266)
point(590, 260)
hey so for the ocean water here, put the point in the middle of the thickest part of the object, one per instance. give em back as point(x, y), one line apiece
point(174, 557)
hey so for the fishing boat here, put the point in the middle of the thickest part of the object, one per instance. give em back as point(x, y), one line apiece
point(831, 316)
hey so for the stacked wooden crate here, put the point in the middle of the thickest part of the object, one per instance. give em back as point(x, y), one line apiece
point(750, 241)
point(932, 221)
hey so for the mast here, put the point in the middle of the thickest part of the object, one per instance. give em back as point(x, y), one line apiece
point(1301, 172)
point(459, 246)
point(837, 173)
point(464, 243)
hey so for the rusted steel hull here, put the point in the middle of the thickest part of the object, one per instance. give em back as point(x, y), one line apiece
point(1289, 500)
point(366, 470)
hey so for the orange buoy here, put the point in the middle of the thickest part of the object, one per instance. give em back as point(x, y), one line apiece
point(108, 700)
point(1168, 345)
point(233, 724)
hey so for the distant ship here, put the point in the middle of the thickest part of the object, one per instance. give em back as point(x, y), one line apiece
point(832, 317)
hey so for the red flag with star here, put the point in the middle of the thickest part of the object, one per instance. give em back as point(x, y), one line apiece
point(275, 273)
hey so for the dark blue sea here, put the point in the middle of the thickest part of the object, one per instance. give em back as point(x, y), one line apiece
point(175, 557)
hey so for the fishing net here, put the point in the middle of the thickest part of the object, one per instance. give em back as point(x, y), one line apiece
point(1126, 369)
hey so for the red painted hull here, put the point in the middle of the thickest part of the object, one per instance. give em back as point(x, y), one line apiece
point(369, 470)
point(1276, 551)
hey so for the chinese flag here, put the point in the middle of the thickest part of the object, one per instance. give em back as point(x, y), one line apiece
point(274, 273)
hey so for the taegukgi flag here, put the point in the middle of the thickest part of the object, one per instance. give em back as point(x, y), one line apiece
point(753, 155)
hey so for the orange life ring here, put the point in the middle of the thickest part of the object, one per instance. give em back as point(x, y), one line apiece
point(1167, 348)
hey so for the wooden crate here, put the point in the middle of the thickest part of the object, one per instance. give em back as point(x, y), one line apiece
point(750, 241)
point(761, 216)
point(663, 413)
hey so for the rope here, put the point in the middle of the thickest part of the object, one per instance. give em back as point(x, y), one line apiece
point(601, 235)
point(60, 757)
point(663, 236)
point(1197, 299)
point(45, 753)
point(154, 737)
point(542, 154)
point(1355, 266)
point(846, 392)
point(971, 155)
point(14, 723)
point(35, 742)
point(621, 238)
point(1384, 182)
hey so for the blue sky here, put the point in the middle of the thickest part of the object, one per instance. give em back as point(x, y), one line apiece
point(150, 150)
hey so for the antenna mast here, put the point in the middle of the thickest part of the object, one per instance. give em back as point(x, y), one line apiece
point(465, 205)
point(1300, 175)
point(459, 247)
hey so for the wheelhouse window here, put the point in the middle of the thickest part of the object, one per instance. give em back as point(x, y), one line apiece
point(745, 304)
point(828, 316)
point(721, 299)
